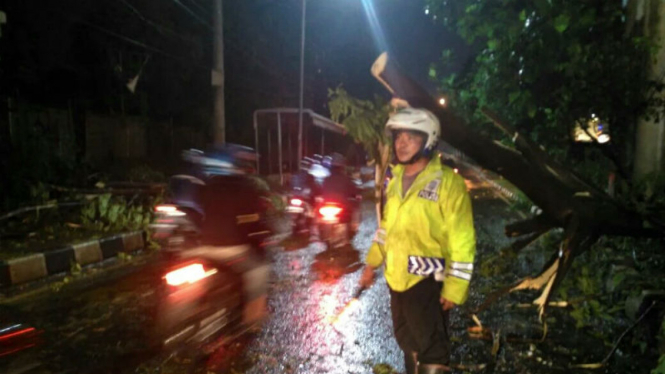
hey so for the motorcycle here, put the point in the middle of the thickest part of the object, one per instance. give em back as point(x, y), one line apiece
point(300, 211)
point(177, 222)
point(198, 301)
point(198, 298)
point(337, 222)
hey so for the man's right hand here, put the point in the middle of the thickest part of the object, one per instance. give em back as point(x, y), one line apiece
point(367, 277)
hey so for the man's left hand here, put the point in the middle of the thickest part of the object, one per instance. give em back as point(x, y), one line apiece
point(447, 304)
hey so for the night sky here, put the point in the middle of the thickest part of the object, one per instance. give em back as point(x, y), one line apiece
point(85, 51)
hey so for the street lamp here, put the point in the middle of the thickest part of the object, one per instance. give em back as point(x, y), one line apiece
point(302, 78)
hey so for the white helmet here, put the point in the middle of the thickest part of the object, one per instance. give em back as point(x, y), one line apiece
point(420, 120)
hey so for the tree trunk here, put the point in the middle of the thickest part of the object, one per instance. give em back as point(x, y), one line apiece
point(557, 191)
point(567, 201)
point(650, 137)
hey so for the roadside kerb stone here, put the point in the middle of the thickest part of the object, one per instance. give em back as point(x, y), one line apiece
point(33, 267)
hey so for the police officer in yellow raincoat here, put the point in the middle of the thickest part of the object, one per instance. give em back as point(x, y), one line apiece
point(426, 241)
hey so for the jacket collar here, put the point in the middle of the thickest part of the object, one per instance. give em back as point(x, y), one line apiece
point(433, 165)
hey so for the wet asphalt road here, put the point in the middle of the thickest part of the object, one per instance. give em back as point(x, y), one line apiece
point(312, 287)
point(98, 327)
point(309, 330)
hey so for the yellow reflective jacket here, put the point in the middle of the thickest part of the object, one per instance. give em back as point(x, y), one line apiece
point(427, 232)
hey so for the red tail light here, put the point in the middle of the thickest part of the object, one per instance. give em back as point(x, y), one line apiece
point(16, 334)
point(169, 210)
point(296, 202)
point(18, 338)
point(188, 274)
point(330, 212)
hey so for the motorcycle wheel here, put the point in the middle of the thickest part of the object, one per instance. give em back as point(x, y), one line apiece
point(181, 326)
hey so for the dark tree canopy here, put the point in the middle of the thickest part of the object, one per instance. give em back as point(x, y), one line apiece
point(543, 65)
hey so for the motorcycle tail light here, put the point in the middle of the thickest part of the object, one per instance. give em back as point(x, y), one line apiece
point(296, 202)
point(330, 212)
point(169, 210)
point(188, 274)
point(12, 333)
point(17, 338)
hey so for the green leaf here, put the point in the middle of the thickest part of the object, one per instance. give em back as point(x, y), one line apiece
point(513, 96)
point(561, 23)
point(617, 279)
point(523, 15)
point(104, 203)
point(113, 212)
point(660, 369)
point(492, 44)
point(432, 72)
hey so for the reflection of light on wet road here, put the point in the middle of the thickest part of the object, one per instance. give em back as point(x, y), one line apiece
point(327, 307)
point(311, 329)
point(342, 319)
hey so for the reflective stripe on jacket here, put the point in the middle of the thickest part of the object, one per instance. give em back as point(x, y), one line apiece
point(427, 230)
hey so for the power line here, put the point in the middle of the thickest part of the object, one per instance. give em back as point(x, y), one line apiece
point(167, 54)
point(161, 29)
point(273, 74)
point(201, 8)
point(201, 20)
point(134, 42)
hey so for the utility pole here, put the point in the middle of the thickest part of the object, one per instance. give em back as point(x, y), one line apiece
point(650, 137)
point(302, 79)
point(218, 75)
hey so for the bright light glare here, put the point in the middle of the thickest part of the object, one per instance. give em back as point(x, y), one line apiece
point(343, 317)
point(456, 170)
point(296, 202)
point(375, 26)
point(603, 138)
point(188, 274)
point(442, 101)
point(319, 172)
point(330, 212)
point(169, 210)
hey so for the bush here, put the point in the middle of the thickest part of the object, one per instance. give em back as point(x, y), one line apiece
point(115, 213)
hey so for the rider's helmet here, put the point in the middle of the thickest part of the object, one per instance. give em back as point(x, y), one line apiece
point(326, 162)
point(337, 161)
point(334, 161)
point(419, 121)
point(229, 159)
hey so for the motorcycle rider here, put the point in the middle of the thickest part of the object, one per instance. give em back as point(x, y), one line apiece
point(304, 183)
point(426, 241)
point(339, 187)
point(234, 225)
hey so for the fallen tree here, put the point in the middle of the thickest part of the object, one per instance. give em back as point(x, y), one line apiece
point(567, 201)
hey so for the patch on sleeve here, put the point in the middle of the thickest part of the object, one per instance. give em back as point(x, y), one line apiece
point(431, 190)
